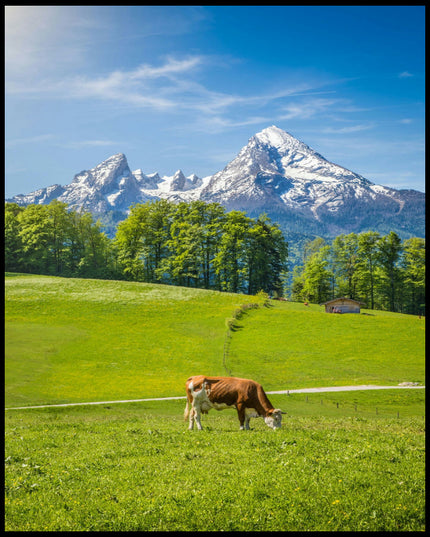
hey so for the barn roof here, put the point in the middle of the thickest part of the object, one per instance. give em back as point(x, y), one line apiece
point(343, 299)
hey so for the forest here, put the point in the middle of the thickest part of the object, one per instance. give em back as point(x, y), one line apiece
point(380, 270)
point(201, 245)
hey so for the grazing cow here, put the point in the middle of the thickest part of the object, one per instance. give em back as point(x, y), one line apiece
point(247, 396)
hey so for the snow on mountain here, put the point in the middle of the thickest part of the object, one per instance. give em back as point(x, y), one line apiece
point(277, 166)
point(112, 186)
point(277, 174)
point(274, 173)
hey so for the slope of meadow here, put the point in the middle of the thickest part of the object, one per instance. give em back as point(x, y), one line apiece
point(353, 461)
point(71, 340)
point(290, 345)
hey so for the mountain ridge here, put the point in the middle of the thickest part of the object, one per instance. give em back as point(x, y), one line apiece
point(274, 173)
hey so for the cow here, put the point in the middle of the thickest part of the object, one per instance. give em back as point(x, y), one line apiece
point(247, 396)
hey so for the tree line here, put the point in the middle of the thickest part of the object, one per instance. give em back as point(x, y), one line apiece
point(190, 244)
point(50, 239)
point(199, 244)
point(379, 270)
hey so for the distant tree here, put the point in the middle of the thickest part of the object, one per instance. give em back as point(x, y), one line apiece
point(413, 274)
point(367, 265)
point(230, 261)
point(297, 283)
point(211, 218)
point(12, 239)
point(97, 256)
point(194, 238)
point(141, 240)
point(51, 239)
point(389, 250)
point(346, 260)
point(317, 277)
point(311, 247)
point(59, 239)
point(35, 236)
point(267, 252)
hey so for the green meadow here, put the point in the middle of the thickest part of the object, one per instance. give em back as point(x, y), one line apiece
point(342, 461)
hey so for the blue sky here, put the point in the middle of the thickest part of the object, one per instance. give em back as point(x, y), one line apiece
point(185, 87)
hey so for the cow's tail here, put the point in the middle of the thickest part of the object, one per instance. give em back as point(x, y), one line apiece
point(189, 387)
point(186, 411)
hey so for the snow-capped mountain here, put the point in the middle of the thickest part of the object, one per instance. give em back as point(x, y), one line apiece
point(296, 186)
point(274, 173)
point(111, 185)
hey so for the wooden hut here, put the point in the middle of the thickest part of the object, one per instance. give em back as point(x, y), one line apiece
point(343, 305)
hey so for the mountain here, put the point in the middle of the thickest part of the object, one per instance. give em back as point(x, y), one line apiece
point(111, 185)
point(301, 190)
point(274, 173)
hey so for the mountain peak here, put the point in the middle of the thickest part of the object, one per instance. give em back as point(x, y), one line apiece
point(118, 157)
point(275, 137)
point(274, 173)
point(178, 181)
point(273, 134)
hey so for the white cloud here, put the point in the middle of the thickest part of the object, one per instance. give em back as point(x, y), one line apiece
point(347, 130)
point(307, 108)
point(41, 138)
point(171, 85)
point(171, 67)
point(405, 74)
point(90, 143)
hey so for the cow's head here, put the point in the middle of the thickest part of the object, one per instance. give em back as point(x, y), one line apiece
point(274, 418)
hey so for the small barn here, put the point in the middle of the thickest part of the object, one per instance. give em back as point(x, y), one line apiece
point(343, 305)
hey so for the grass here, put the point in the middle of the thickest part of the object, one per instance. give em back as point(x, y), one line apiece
point(342, 461)
point(290, 346)
point(130, 467)
point(72, 340)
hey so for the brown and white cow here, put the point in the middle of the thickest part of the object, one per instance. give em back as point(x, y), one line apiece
point(247, 396)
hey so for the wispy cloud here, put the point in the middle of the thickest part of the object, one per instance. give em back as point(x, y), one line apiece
point(54, 141)
point(307, 108)
point(347, 130)
point(41, 138)
point(91, 143)
point(175, 85)
point(405, 74)
point(172, 86)
point(145, 86)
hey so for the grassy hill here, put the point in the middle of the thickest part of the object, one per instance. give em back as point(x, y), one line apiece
point(86, 340)
point(352, 461)
point(72, 340)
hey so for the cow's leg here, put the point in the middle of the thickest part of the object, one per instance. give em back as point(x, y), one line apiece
point(247, 418)
point(242, 416)
point(197, 418)
point(191, 425)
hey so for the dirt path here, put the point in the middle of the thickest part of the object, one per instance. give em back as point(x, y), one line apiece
point(303, 390)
